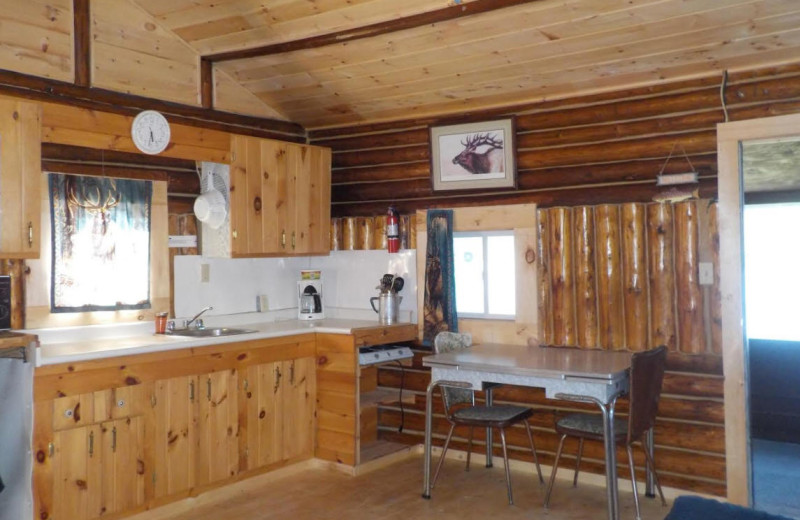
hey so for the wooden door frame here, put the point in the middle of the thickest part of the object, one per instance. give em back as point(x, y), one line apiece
point(729, 137)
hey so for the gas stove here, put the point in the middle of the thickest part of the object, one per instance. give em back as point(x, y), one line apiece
point(382, 354)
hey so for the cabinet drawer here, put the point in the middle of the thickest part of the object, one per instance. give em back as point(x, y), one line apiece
point(95, 407)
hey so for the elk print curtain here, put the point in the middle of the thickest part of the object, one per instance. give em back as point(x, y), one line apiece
point(101, 243)
point(439, 305)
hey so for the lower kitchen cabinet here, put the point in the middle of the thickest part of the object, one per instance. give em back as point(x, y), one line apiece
point(175, 431)
point(117, 436)
point(280, 404)
point(98, 469)
point(217, 427)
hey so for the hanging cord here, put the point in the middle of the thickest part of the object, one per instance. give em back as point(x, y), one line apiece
point(402, 383)
point(722, 93)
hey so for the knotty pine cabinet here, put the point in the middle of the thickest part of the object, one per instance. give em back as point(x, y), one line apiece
point(280, 412)
point(20, 178)
point(280, 198)
point(116, 436)
point(97, 453)
point(346, 418)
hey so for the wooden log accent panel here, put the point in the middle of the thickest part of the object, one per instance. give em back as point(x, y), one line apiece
point(604, 148)
point(598, 282)
point(367, 232)
point(689, 432)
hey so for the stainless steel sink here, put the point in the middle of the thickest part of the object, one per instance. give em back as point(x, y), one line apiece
point(209, 332)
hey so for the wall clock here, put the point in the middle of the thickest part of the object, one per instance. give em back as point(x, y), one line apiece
point(150, 132)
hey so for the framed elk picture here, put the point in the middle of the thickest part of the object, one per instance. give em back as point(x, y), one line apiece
point(473, 156)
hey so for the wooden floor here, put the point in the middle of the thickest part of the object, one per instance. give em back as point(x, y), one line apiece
point(394, 492)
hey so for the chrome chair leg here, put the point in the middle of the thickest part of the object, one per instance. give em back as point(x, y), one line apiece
point(533, 449)
point(651, 462)
point(469, 447)
point(578, 462)
point(629, 449)
point(553, 473)
point(508, 470)
point(444, 452)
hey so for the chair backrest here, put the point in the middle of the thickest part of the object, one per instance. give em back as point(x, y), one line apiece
point(450, 342)
point(647, 374)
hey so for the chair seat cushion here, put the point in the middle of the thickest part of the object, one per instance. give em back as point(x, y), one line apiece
point(498, 416)
point(590, 426)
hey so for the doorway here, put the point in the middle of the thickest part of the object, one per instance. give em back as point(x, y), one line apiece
point(734, 139)
point(771, 213)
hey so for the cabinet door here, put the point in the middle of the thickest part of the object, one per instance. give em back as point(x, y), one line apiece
point(175, 434)
point(77, 480)
point(237, 211)
point(217, 427)
point(123, 469)
point(264, 415)
point(312, 200)
point(299, 400)
point(98, 469)
point(20, 178)
point(285, 156)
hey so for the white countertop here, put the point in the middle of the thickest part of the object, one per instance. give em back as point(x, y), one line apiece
point(72, 344)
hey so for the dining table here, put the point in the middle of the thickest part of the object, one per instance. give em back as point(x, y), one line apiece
point(566, 373)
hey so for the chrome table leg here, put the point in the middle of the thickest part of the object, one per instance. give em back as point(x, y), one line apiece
point(426, 478)
point(611, 459)
point(489, 443)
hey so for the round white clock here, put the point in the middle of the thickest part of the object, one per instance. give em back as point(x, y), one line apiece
point(150, 132)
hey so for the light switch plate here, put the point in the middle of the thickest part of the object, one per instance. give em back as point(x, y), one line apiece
point(205, 273)
point(706, 273)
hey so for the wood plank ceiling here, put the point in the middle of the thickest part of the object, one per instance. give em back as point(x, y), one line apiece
point(532, 51)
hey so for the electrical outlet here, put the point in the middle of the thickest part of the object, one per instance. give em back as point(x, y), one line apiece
point(706, 273)
point(262, 303)
point(205, 273)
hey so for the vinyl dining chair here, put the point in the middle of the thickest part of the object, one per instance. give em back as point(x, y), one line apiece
point(461, 410)
point(646, 376)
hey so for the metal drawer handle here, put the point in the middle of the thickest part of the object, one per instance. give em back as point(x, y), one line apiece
point(30, 234)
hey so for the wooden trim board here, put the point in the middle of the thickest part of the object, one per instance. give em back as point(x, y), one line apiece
point(729, 137)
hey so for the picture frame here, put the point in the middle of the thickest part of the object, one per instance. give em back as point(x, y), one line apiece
point(474, 156)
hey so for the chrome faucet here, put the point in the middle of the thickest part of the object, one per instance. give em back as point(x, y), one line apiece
point(199, 322)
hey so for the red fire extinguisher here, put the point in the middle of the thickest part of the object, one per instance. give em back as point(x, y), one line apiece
point(392, 231)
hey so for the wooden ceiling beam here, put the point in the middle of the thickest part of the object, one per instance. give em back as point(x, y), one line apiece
point(206, 83)
point(369, 31)
point(82, 34)
point(43, 89)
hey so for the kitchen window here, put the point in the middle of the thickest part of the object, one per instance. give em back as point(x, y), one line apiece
point(485, 271)
point(101, 243)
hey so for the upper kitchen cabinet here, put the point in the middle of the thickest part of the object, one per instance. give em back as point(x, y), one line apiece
point(20, 178)
point(280, 198)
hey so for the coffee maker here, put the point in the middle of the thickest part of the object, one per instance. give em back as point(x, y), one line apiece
point(309, 296)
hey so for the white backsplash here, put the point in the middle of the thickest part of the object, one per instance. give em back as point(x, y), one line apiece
point(349, 279)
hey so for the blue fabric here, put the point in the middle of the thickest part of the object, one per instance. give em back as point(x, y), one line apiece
point(696, 508)
point(439, 308)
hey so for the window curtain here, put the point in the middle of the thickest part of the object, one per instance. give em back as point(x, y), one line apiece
point(101, 243)
point(439, 305)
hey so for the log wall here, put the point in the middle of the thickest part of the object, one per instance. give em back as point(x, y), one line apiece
point(605, 148)
point(616, 269)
